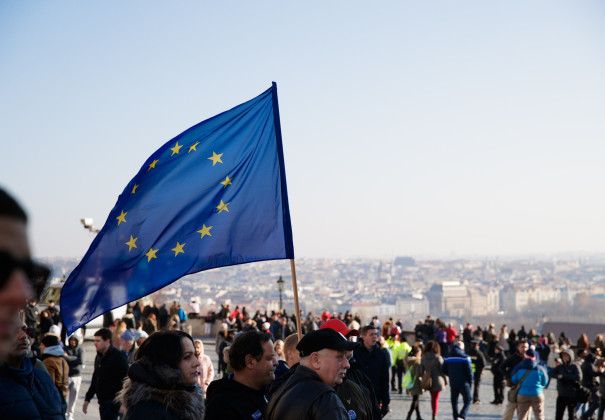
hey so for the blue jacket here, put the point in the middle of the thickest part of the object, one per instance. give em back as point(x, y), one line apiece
point(535, 382)
point(28, 394)
point(457, 366)
point(376, 365)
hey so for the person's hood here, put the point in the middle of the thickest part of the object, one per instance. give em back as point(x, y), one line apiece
point(569, 352)
point(54, 350)
point(162, 377)
point(185, 402)
point(202, 346)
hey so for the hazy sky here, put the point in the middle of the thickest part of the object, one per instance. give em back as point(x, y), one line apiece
point(409, 127)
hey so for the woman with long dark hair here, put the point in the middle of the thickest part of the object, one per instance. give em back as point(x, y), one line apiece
point(162, 382)
point(433, 362)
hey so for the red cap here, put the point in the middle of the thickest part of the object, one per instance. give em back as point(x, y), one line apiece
point(339, 326)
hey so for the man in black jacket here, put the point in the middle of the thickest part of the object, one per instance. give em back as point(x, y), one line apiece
point(111, 367)
point(243, 396)
point(375, 364)
point(309, 392)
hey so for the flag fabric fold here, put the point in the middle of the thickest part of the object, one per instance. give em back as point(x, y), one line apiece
point(213, 196)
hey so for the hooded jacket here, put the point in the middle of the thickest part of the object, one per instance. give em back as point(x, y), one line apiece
point(28, 393)
point(457, 366)
point(157, 392)
point(570, 373)
point(534, 382)
point(57, 367)
point(74, 358)
point(229, 399)
point(205, 369)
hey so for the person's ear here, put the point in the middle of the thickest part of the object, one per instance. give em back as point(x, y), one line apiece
point(250, 361)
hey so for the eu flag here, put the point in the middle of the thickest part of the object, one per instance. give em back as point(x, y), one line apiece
point(213, 196)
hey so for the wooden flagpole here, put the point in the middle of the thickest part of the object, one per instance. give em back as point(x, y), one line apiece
point(297, 309)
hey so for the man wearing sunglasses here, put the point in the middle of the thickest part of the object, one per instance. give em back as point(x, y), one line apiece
point(20, 277)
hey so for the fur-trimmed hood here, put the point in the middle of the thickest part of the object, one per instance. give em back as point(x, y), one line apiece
point(163, 385)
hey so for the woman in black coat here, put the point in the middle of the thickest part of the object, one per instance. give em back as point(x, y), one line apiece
point(162, 382)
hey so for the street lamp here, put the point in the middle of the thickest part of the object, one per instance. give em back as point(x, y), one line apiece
point(280, 286)
point(88, 225)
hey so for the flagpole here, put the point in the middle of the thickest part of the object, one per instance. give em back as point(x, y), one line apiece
point(298, 324)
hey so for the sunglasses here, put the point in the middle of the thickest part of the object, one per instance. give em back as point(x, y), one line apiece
point(37, 274)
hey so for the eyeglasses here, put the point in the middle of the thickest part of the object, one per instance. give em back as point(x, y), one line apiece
point(37, 274)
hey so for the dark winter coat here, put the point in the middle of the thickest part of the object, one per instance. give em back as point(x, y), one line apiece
point(509, 364)
point(571, 374)
point(229, 399)
point(110, 370)
point(590, 373)
point(306, 396)
point(28, 394)
point(156, 392)
point(457, 366)
point(497, 362)
point(376, 365)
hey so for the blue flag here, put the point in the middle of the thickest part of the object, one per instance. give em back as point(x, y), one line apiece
point(213, 196)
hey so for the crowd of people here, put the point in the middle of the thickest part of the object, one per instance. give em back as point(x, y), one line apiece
point(341, 368)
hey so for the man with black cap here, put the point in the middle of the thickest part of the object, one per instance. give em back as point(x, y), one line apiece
point(309, 392)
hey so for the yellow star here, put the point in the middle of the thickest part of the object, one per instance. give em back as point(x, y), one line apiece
point(151, 254)
point(178, 249)
point(132, 243)
point(122, 217)
point(135, 188)
point(205, 231)
point(193, 147)
point(223, 206)
point(227, 181)
point(176, 149)
point(215, 158)
point(152, 164)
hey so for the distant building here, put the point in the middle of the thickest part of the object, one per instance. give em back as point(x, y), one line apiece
point(405, 261)
point(449, 298)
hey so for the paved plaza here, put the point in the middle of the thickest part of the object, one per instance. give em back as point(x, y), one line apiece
point(400, 404)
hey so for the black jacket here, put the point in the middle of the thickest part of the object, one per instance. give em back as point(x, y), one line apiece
point(509, 364)
point(590, 373)
point(376, 365)
point(305, 396)
point(110, 370)
point(497, 362)
point(229, 399)
point(570, 375)
point(477, 360)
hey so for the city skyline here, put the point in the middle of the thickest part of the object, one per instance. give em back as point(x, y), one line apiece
point(446, 131)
